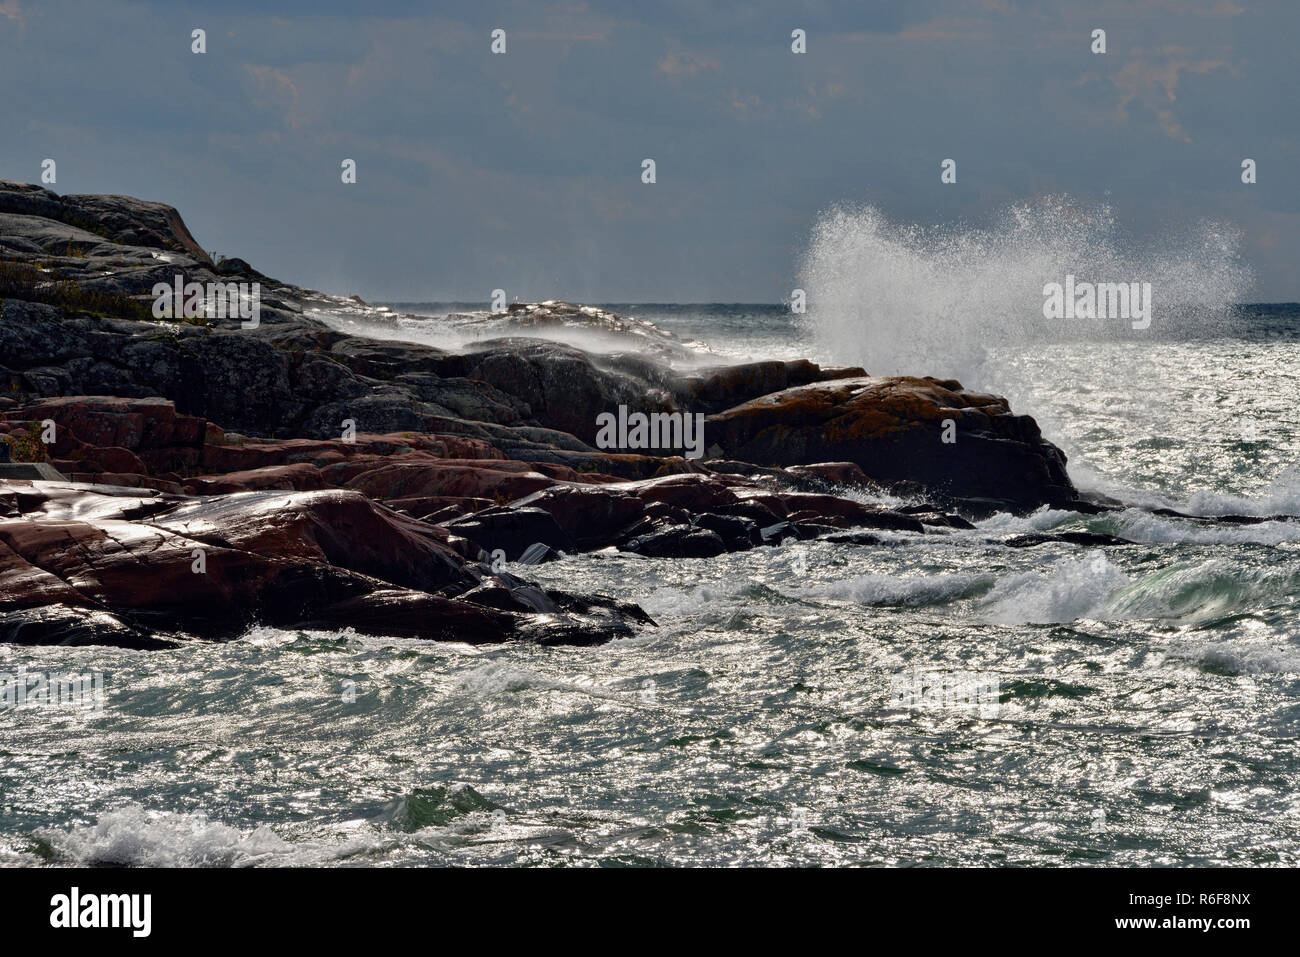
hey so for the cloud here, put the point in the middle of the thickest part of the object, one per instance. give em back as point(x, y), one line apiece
point(276, 90)
point(469, 160)
point(1151, 78)
point(684, 63)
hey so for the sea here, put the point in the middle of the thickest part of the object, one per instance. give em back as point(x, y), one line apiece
point(931, 700)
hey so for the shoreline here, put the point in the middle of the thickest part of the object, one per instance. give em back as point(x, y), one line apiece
point(459, 461)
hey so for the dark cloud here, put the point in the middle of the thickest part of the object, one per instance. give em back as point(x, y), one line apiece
point(523, 171)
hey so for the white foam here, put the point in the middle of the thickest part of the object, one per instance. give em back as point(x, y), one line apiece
point(877, 589)
point(1242, 659)
point(1141, 526)
point(907, 299)
point(496, 678)
point(1070, 589)
point(134, 837)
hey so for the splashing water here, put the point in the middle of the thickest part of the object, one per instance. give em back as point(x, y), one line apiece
point(907, 299)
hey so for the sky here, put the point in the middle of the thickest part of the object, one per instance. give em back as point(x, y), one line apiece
point(523, 171)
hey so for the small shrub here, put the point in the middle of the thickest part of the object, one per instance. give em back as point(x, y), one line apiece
point(29, 447)
point(21, 280)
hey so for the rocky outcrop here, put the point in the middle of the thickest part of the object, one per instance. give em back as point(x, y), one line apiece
point(342, 481)
point(135, 568)
point(122, 220)
point(965, 446)
point(494, 502)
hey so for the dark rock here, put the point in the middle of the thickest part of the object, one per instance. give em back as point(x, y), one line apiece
point(855, 538)
point(736, 531)
point(65, 625)
point(718, 389)
point(892, 428)
point(514, 530)
point(328, 558)
point(592, 516)
point(778, 533)
point(537, 554)
point(677, 541)
point(1089, 539)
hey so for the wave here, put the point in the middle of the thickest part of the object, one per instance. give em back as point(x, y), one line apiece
point(131, 836)
point(1241, 659)
point(903, 590)
point(907, 299)
point(1200, 594)
point(1280, 497)
point(134, 837)
point(1070, 589)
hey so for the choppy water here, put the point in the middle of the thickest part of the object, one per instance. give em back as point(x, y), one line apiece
point(1146, 709)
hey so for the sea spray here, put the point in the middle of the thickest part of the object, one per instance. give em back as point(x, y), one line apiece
point(907, 299)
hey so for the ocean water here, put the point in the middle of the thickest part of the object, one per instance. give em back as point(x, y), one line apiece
point(1120, 706)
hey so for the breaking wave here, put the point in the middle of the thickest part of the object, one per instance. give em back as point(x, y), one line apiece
point(907, 299)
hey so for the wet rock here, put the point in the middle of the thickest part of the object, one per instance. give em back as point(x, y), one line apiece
point(830, 474)
point(134, 567)
point(403, 613)
point(66, 625)
point(855, 538)
point(695, 493)
point(721, 388)
point(512, 530)
point(677, 541)
point(494, 593)
point(537, 554)
point(1088, 539)
point(892, 429)
point(592, 516)
point(778, 533)
point(300, 477)
point(737, 532)
point(928, 516)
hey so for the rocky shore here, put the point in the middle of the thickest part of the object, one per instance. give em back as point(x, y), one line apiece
point(221, 475)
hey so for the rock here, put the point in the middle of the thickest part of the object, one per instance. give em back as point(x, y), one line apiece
point(40, 471)
point(928, 516)
point(892, 429)
point(778, 533)
point(589, 326)
point(127, 480)
point(300, 477)
point(694, 493)
point(514, 530)
point(855, 513)
point(677, 541)
point(831, 473)
point(210, 567)
point(1088, 539)
point(854, 538)
point(485, 479)
point(119, 219)
point(495, 594)
point(65, 625)
point(562, 387)
point(536, 554)
point(720, 388)
point(736, 532)
point(592, 516)
point(299, 524)
point(400, 613)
